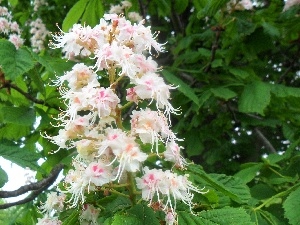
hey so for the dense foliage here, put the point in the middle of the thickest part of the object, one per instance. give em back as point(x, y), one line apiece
point(236, 69)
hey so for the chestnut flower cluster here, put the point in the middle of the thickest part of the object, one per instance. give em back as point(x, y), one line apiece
point(38, 33)
point(239, 5)
point(10, 29)
point(290, 3)
point(109, 153)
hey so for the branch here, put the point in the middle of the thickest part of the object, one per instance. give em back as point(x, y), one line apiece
point(214, 47)
point(36, 188)
point(260, 135)
point(265, 141)
point(9, 86)
point(142, 9)
point(26, 95)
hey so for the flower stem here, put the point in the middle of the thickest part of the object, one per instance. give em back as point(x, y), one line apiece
point(280, 194)
point(131, 187)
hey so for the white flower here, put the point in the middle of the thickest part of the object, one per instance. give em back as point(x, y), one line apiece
point(135, 17)
point(161, 184)
point(48, 221)
point(80, 76)
point(98, 173)
point(152, 86)
point(289, 3)
point(54, 202)
point(39, 33)
point(126, 4)
point(76, 184)
point(16, 40)
point(172, 154)
point(129, 157)
point(104, 100)
point(170, 218)
point(89, 213)
point(125, 150)
point(150, 126)
point(86, 148)
point(118, 9)
point(72, 42)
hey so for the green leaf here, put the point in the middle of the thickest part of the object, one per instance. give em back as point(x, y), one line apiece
point(145, 214)
point(118, 203)
point(125, 219)
point(13, 3)
point(224, 216)
point(14, 62)
point(3, 177)
point(263, 217)
point(181, 5)
point(12, 131)
point(271, 29)
point(255, 98)
point(17, 115)
point(249, 173)
point(74, 14)
point(262, 191)
point(72, 218)
point(228, 185)
point(291, 207)
point(182, 87)
point(194, 144)
point(222, 92)
point(284, 91)
point(94, 11)
point(21, 156)
point(205, 95)
point(239, 73)
point(217, 63)
point(211, 8)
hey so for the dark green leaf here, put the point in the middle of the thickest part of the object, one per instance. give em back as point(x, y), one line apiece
point(263, 217)
point(12, 131)
point(249, 173)
point(284, 91)
point(118, 203)
point(74, 14)
point(225, 216)
point(182, 87)
point(21, 156)
point(145, 214)
point(291, 207)
point(255, 98)
point(229, 186)
point(223, 92)
point(125, 219)
point(212, 8)
point(94, 11)
point(180, 5)
point(14, 62)
point(271, 29)
point(239, 73)
point(72, 218)
point(17, 115)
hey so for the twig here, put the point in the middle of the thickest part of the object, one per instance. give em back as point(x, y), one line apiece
point(9, 85)
point(143, 9)
point(265, 141)
point(214, 47)
point(36, 189)
point(26, 95)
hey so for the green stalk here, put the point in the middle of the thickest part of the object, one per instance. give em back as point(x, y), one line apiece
point(281, 194)
point(131, 187)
